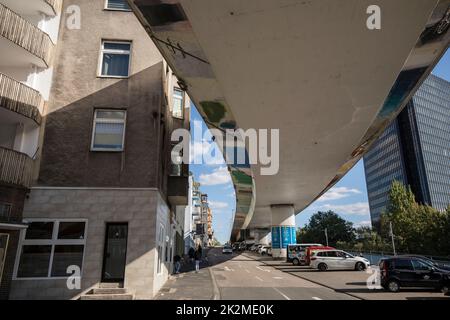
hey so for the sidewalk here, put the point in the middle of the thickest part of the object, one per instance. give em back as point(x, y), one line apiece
point(189, 285)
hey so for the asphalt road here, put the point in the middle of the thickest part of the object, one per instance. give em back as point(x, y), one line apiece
point(359, 284)
point(241, 277)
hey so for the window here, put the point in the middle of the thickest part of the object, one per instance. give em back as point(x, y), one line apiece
point(176, 168)
point(108, 130)
point(39, 231)
point(49, 247)
point(5, 211)
point(421, 266)
point(115, 59)
point(120, 5)
point(403, 264)
point(178, 103)
point(332, 254)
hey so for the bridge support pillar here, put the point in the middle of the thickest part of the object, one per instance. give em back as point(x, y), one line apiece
point(261, 236)
point(283, 229)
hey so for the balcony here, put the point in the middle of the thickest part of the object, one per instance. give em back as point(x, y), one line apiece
point(178, 187)
point(50, 8)
point(21, 42)
point(21, 99)
point(16, 168)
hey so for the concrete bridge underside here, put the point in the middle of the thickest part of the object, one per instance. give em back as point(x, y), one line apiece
point(309, 68)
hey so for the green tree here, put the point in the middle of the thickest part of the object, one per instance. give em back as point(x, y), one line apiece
point(417, 228)
point(338, 229)
point(368, 239)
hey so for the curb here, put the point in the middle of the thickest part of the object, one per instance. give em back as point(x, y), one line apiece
point(216, 291)
point(216, 294)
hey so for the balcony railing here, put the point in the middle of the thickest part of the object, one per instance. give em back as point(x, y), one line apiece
point(56, 5)
point(16, 168)
point(26, 35)
point(17, 97)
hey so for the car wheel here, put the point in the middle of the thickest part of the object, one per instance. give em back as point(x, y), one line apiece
point(295, 262)
point(322, 267)
point(393, 286)
point(263, 253)
point(360, 266)
point(445, 290)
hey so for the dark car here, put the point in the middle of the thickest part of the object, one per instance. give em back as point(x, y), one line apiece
point(398, 272)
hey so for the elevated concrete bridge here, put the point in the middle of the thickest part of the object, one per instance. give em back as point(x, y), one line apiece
point(312, 69)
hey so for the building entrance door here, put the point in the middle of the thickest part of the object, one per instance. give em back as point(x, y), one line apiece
point(114, 257)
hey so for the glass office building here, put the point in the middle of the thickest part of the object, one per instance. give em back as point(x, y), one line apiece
point(414, 149)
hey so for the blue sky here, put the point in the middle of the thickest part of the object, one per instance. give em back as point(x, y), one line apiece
point(348, 197)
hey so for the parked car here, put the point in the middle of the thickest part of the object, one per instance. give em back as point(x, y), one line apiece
point(269, 251)
point(235, 246)
point(296, 252)
point(227, 249)
point(310, 250)
point(407, 271)
point(264, 250)
point(242, 246)
point(337, 260)
point(249, 245)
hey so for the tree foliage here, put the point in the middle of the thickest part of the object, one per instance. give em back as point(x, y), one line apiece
point(338, 229)
point(417, 228)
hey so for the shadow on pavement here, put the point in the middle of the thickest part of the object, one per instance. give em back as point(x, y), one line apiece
point(188, 265)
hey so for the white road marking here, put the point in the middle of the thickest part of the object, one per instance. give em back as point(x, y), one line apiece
point(228, 269)
point(247, 271)
point(278, 278)
point(259, 278)
point(262, 269)
point(284, 296)
point(316, 298)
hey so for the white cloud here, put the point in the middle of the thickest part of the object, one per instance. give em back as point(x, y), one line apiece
point(336, 193)
point(357, 208)
point(217, 205)
point(217, 177)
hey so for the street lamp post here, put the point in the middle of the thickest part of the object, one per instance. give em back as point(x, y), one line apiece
point(326, 235)
point(391, 231)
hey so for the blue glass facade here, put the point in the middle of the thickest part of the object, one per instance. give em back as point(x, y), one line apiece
point(414, 149)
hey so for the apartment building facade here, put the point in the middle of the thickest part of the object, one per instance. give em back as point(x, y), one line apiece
point(415, 150)
point(103, 209)
point(28, 38)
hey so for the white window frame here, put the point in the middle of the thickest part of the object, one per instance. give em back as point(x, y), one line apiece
point(114, 9)
point(183, 102)
point(104, 120)
point(2, 263)
point(50, 242)
point(114, 51)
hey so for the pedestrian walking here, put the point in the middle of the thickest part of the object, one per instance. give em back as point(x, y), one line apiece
point(177, 260)
point(198, 257)
point(191, 254)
